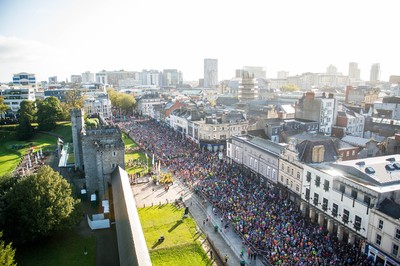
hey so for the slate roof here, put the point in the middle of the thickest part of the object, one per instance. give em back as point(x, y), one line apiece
point(390, 208)
point(358, 141)
point(265, 144)
point(306, 143)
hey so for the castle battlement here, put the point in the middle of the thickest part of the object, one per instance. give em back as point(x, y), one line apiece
point(109, 146)
point(106, 131)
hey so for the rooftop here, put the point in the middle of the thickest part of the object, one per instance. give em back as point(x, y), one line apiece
point(381, 173)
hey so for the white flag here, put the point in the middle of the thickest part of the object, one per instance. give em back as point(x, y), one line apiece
point(152, 162)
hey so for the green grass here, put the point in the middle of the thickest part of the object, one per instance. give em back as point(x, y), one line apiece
point(64, 129)
point(62, 249)
point(9, 158)
point(129, 143)
point(181, 245)
point(134, 155)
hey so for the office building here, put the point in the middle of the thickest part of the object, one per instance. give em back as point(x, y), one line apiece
point(24, 79)
point(87, 77)
point(210, 73)
point(282, 74)
point(375, 74)
point(354, 71)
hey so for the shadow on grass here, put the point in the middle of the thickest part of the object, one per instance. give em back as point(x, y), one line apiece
point(178, 223)
point(158, 242)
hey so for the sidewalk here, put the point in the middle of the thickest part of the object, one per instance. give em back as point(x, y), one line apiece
point(225, 242)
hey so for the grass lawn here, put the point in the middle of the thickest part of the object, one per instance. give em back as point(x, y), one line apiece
point(62, 249)
point(9, 157)
point(64, 129)
point(181, 245)
point(134, 155)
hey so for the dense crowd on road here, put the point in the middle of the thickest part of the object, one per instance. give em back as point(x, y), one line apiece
point(271, 225)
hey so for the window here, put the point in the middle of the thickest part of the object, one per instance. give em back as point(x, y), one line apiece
point(345, 217)
point(378, 239)
point(380, 224)
point(317, 181)
point(397, 235)
point(326, 185)
point(342, 188)
point(334, 210)
point(325, 204)
point(297, 188)
point(316, 197)
point(308, 177)
point(287, 169)
point(298, 175)
point(307, 194)
point(395, 250)
point(283, 167)
point(357, 223)
point(292, 171)
point(114, 154)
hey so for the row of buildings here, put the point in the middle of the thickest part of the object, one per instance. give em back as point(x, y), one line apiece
point(337, 159)
point(25, 87)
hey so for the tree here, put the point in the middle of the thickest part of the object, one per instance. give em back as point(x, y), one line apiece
point(3, 107)
point(289, 88)
point(27, 109)
point(24, 130)
point(26, 113)
point(73, 99)
point(125, 102)
point(49, 112)
point(39, 205)
point(7, 253)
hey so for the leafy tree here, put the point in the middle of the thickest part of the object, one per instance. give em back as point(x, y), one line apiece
point(27, 110)
point(73, 99)
point(39, 205)
point(7, 253)
point(3, 107)
point(7, 181)
point(289, 88)
point(49, 112)
point(113, 96)
point(24, 130)
point(125, 102)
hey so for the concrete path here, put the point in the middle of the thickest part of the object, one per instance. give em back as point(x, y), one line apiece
point(226, 242)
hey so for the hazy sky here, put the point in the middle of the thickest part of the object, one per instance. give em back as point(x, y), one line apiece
point(60, 38)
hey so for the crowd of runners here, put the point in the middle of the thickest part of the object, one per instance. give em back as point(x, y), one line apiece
point(270, 225)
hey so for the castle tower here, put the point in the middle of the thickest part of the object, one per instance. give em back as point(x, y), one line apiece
point(104, 150)
point(77, 126)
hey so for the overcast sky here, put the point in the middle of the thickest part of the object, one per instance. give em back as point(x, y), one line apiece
point(60, 38)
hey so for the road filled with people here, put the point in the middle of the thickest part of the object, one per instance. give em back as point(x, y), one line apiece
point(269, 224)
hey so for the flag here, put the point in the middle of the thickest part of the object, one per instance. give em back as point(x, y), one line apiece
point(152, 162)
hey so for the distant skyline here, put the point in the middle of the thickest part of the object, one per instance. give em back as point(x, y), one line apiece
point(62, 38)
